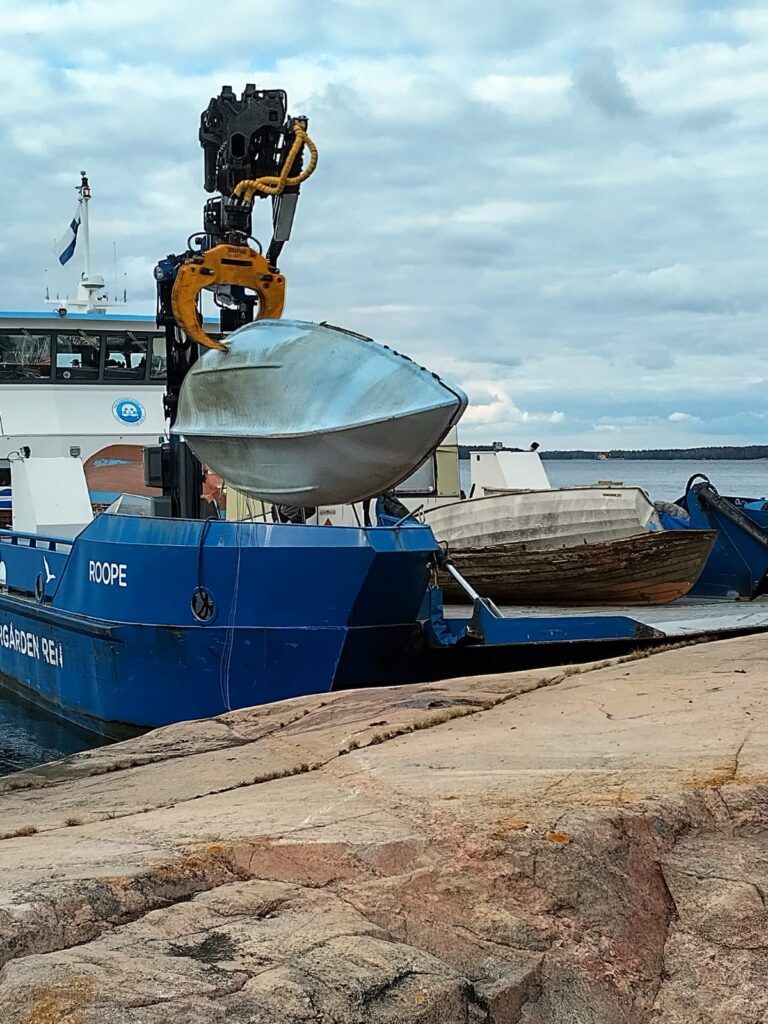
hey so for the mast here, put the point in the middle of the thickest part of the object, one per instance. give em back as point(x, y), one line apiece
point(85, 195)
point(90, 285)
point(91, 297)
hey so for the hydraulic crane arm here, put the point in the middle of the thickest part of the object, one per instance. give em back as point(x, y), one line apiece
point(252, 150)
point(253, 146)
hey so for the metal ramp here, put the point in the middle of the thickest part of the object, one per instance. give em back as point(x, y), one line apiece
point(487, 625)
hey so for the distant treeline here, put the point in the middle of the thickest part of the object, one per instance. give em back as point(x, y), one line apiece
point(749, 451)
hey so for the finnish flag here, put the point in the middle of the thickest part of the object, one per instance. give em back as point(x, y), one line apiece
point(65, 247)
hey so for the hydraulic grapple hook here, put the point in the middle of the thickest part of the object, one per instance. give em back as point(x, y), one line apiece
point(224, 264)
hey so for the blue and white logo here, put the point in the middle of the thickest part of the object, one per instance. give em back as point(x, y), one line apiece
point(129, 411)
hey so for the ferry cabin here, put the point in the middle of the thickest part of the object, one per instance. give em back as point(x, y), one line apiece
point(81, 385)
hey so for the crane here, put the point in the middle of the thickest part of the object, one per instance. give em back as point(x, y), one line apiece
point(253, 149)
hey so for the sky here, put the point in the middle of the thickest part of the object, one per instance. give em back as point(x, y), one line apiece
point(558, 206)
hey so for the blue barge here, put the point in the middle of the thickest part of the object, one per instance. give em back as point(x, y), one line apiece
point(138, 622)
point(255, 612)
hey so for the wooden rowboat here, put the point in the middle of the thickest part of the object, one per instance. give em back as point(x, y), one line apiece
point(649, 568)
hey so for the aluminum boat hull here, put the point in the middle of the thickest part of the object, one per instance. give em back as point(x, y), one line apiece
point(308, 414)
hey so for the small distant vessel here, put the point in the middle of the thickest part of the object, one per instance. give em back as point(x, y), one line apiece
point(647, 568)
point(309, 413)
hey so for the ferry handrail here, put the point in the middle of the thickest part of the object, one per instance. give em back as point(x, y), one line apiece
point(34, 540)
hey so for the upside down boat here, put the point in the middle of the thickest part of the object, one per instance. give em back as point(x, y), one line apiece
point(545, 519)
point(307, 413)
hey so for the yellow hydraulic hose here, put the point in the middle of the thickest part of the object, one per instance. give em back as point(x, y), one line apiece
point(273, 185)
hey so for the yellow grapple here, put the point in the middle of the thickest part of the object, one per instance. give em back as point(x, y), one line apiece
point(226, 265)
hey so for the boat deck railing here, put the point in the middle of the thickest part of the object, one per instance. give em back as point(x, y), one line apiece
point(34, 540)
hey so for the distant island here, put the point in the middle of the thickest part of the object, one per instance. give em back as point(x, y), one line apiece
point(733, 452)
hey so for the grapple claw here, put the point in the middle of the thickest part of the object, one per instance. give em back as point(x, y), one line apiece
point(224, 264)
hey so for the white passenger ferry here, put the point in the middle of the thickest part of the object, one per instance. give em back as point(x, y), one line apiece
point(78, 381)
point(84, 385)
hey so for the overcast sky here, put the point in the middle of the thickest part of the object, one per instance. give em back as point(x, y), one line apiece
point(559, 206)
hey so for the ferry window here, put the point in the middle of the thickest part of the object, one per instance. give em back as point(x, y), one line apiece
point(157, 370)
point(77, 357)
point(125, 356)
point(25, 356)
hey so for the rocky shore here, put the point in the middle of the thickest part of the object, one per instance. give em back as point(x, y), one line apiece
point(544, 847)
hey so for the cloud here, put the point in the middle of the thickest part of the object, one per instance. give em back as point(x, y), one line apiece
point(523, 97)
point(575, 235)
point(683, 287)
point(598, 81)
point(682, 417)
point(656, 359)
point(491, 404)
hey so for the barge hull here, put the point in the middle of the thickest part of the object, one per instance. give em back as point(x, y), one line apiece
point(147, 622)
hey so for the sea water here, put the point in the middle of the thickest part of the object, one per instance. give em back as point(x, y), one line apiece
point(664, 480)
point(29, 736)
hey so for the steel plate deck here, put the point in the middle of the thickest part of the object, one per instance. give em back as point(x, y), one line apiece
point(686, 617)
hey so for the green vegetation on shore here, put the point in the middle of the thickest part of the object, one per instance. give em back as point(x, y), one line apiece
point(750, 451)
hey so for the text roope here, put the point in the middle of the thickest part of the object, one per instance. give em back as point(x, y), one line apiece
point(109, 573)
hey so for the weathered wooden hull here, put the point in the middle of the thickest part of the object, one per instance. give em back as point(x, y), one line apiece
point(650, 568)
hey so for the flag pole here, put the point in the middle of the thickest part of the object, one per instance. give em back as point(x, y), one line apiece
point(91, 292)
point(85, 195)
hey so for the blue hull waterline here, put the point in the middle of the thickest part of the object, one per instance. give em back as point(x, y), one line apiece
point(140, 622)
